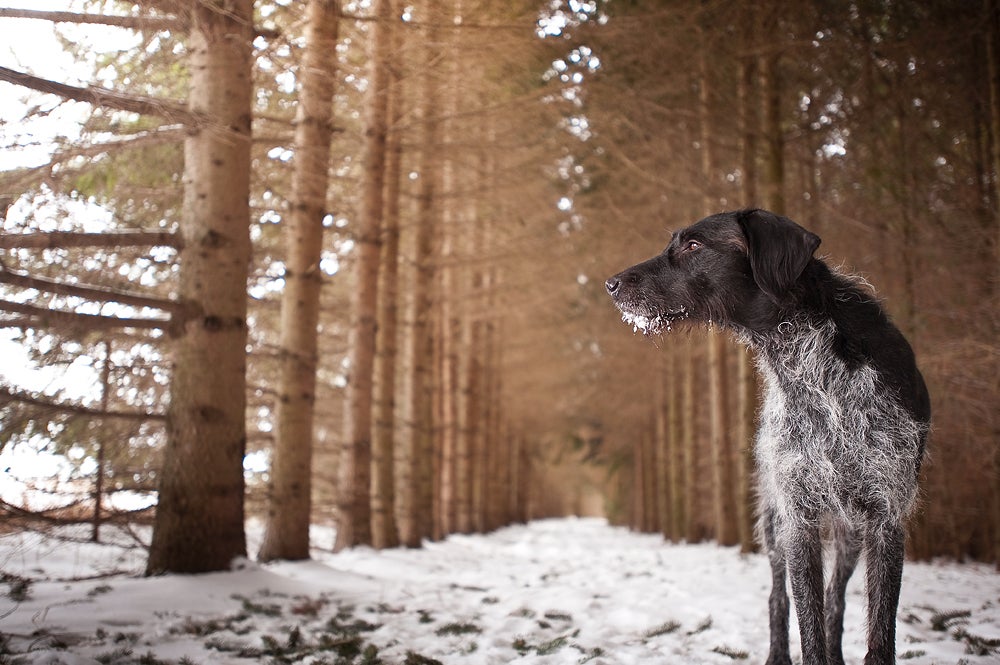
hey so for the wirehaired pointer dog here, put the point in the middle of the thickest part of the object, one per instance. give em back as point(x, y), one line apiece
point(844, 420)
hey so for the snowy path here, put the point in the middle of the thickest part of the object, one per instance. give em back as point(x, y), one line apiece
point(554, 592)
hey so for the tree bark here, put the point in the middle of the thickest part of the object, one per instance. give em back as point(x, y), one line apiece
point(689, 443)
point(770, 96)
point(384, 530)
point(416, 491)
point(287, 532)
point(95, 525)
point(991, 9)
point(718, 362)
point(746, 380)
point(992, 16)
point(662, 449)
point(675, 459)
point(354, 466)
point(199, 519)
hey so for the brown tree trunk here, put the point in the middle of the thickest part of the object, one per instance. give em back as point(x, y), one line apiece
point(718, 362)
point(661, 448)
point(675, 448)
point(991, 9)
point(770, 96)
point(689, 443)
point(416, 491)
point(286, 535)
point(199, 519)
point(95, 531)
point(992, 19)
point(384, 530)
point(746, 380)
point(354, 462)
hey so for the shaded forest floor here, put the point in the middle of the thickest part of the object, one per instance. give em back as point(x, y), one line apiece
point(555, 591)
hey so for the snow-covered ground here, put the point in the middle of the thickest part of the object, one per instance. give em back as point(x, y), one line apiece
point(553, 591)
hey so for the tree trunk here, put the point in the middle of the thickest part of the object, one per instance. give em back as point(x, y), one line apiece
point(746, 380)
point(95, 531)
point(384, 530)
point(770, 95)
point(661, 448)
point(718, 362)
point(675, 448)
point(689, 443)
point(416, 459)
point(991, 9)
point(287, 532)
point(199, 519)
point(354, 465)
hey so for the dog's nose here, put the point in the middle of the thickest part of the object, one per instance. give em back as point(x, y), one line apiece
point(612, 285)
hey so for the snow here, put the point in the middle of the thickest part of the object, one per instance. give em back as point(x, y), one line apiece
point(549, 592)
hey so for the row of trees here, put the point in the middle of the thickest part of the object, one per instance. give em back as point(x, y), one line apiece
point(423, 202)
point(383, 138)
point(875, 124)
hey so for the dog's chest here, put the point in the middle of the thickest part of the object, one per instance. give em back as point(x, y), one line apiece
point(831, 437)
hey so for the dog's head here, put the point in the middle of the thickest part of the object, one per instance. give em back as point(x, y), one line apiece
point(733, 268)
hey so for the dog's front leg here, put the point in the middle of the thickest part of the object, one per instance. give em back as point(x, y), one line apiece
point(804, 552)
point(778, 602)
point(884, 551)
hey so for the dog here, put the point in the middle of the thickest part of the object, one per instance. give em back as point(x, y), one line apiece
point(844, 421)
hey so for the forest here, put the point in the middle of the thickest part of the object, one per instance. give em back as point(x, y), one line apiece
point(342, 262)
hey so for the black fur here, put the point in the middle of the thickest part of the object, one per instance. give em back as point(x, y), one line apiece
point(845, 415)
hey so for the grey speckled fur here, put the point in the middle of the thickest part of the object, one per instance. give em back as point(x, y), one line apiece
point(833, 446)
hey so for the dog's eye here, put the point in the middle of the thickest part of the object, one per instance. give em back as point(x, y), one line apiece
point(692, 246)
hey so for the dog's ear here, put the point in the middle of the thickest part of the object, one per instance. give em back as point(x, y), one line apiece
point(778, 248)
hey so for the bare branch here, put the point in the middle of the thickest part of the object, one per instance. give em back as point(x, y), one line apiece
point(520, 27)
point(172, 23)
point(89, 292)
point(67, 239)
point(131, 22)
point(55, 318)
point(7, 395)
point(103, 97)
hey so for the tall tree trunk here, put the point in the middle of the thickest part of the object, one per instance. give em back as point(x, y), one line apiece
point(992, 10)
point(746, 380)
point(287, 532)
point(451, 285)
point(689, 442)
point(718, 362)
point(384, 531)
point(354, 462)
point(675, 459)
point(416, 508)
point(199, 519)
point(770, 95)
point(95, 531)
point(661, 448)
